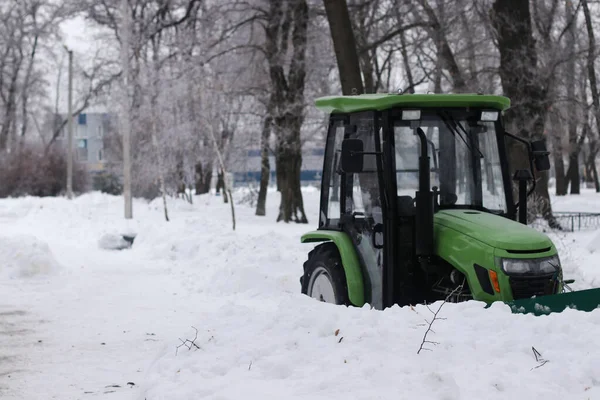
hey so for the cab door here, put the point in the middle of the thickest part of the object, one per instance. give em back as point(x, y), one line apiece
point(363, 217)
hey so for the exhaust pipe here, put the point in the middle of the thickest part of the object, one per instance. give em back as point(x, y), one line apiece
point(424, 206)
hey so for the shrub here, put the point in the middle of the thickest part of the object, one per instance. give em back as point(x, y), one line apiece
point(108, 182)
point(31, 171)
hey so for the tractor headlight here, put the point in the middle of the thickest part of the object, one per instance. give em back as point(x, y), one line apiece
point(531, 266)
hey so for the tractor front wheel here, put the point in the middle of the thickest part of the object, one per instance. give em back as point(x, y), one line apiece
point(324, 277)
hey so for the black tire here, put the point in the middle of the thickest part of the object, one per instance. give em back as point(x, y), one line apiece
point(325, 262)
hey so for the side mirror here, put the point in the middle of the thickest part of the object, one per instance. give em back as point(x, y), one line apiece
point(352, 155)
point(540, 155)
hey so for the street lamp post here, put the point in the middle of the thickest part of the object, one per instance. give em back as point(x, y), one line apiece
point(125, 109)
point(70, 129)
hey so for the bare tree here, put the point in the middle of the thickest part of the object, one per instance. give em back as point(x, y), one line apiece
point(591, 70)
point(286, 37)
point(344, 45)
point(519, 72)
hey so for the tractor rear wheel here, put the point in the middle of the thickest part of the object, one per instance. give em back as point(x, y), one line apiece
point(324, 277)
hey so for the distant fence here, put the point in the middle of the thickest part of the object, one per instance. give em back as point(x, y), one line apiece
point(253, 177)
point(577, 221)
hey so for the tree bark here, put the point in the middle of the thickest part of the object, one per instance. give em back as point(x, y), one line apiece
point(406, 62)
point(344, 46)
point(557, 153)
point(157, 126)
point(221, 184)
point(572, 178)
point(594, 89)
point(288, 164)
point(265, 168)
point(519, 74)
point(226, 189)
point(366, 56)
point(203, 177)
point(25, 91)
point(10, 107)
point(444, 51)
point(591, 172)
point(285, 19)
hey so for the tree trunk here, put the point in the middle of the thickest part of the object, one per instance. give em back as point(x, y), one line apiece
point(203, 178)
point(289, 18)
point(344, 46)
point(10, 108)
point(365, 56)
point(470, 36)
point(289, 163)
point(445, 54)
point(25, 92)
point(265, 168)
point(406, 63)
point(182, 185)
point(226, 189)
point(595, 173)
point(557, 153)
point(572, 178)
point(594, 89)
point(221, 184)
point(157, 126)
point(521, 83)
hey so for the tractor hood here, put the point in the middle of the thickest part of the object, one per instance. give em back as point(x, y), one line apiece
point(493, 230)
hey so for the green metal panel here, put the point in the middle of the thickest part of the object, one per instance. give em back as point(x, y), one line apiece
point(582, 300)
point(463, 239)
point(462, 252)
point(381, 101)
point(494, 230)
point(350, 262)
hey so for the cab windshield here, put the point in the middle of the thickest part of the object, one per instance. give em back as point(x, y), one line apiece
point(464, 159)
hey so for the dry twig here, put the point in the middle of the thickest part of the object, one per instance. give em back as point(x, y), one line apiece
point(188, 343)
point(435, 317)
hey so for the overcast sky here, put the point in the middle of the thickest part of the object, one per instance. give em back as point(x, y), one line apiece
point(78, 36)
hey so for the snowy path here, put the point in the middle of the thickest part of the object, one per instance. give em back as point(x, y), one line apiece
point(104, 321)
point(97, 322)
point(14, 325)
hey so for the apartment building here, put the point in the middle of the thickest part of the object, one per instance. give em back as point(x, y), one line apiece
point(88, 139)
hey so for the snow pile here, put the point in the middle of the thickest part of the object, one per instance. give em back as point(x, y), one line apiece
point(258, 337)
point(594, 245)
point(24, 256)
point(110, 241)
point(300, 349)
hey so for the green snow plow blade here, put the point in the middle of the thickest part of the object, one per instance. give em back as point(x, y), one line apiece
point(582, 300)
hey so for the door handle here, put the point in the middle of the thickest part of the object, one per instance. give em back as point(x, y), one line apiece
point(377, 229)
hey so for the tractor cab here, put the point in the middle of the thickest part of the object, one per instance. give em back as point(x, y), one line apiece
point(417, 205)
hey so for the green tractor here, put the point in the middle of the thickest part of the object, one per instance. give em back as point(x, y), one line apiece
point(417, 206)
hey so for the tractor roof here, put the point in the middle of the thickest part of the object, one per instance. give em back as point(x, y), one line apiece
point(382, 101)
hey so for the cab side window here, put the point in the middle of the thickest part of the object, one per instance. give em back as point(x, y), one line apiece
point(332, 177)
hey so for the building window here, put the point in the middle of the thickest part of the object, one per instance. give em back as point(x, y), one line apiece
point(100, 131)
point(81, 131)
point(82, 119)
point(82, 150)
point(100, 155)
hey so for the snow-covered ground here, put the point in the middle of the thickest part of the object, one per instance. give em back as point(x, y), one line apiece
point(78, 321)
